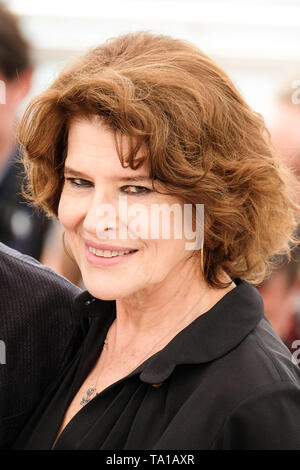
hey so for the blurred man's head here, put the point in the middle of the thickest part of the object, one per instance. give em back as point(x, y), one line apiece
point(285, 127)
point(15, 78)
point(281, 290)
point(280, 293)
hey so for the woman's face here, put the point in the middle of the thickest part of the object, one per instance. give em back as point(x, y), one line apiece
point(90, 201)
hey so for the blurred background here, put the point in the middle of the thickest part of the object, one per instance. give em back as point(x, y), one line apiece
point(256, 42)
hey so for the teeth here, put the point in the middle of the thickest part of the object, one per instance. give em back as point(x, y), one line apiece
point(107, 253)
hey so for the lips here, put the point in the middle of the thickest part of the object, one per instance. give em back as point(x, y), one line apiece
point(109, 253)
point(104, 246)
point(105, 261)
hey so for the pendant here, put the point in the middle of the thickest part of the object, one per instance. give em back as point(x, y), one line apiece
point(90, 394)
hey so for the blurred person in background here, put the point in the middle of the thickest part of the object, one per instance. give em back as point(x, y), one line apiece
point(39, 326)
point(40, 332)
point(281, 292)
point(285, 126)
point(22, 227)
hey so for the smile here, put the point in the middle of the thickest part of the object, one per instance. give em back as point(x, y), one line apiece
point(104, 258)
point(109, 253)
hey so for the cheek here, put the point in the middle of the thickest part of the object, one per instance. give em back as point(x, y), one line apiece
point(165, 255)
point(70, 212)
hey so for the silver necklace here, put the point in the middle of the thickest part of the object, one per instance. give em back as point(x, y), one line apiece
point(92, 391)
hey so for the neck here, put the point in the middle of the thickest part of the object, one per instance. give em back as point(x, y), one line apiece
point(162, 310)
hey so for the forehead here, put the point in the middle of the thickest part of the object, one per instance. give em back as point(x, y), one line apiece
point(89, 133)
point(91, 143)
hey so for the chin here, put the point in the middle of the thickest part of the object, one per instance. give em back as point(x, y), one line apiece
point(100, 292)
point(109, 291)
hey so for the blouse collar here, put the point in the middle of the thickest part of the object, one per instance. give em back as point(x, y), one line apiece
point(210, 336)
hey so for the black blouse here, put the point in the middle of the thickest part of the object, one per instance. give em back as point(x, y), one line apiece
point(226, 381)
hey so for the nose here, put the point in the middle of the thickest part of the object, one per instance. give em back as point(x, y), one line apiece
point(101, 215)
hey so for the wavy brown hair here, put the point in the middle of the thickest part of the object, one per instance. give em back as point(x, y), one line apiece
point(205, 144)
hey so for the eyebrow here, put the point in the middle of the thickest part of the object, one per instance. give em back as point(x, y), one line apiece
point(79, 174)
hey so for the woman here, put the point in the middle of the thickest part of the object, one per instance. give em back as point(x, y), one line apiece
point(179, 354)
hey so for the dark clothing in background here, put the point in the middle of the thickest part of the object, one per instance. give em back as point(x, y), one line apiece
point(40, 331)
point(22, 227)
point(226, 381)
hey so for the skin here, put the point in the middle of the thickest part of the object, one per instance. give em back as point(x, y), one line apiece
point(155, 288)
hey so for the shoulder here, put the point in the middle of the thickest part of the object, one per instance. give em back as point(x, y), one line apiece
point(21, 272)
point(261, 360)
point(41, 330)
point(245, 347)
point(37, 307)
point(262, 396)
point(267, 419)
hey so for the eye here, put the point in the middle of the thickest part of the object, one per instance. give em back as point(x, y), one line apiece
point(79, 182)
point(137, 189)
